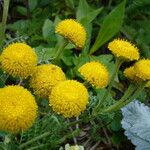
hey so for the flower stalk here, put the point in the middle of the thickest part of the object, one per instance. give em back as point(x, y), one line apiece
point(34, 139)
point(4, 20)
point(68, 136)
point(60, 50)
point(116, 69)
point(129, 96)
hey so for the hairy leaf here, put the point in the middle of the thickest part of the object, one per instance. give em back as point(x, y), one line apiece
point(110, 26)
point(136, 122)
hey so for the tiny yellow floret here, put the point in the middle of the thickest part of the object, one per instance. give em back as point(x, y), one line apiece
point(72, 30)
point(18, 60)
point(142, 69)
point(124, 49)
point(95, 73)
point(18, 109)
point(45, 78)
point(69, 98)
point(131, 74)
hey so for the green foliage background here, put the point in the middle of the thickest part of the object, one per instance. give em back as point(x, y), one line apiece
point(34, 22)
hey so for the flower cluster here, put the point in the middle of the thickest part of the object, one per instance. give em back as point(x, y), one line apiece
point(69, 98)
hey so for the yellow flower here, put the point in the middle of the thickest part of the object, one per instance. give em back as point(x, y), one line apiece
point(131, 74)
point(142, 69)
point(95, 73)
point(18, 109)
point(69, 98)
point(45, 78)
point(18, 59)
point(124, 49)
point(72, 30)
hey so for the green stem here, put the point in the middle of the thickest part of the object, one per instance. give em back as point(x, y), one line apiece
point(68, 136)
point(60, 49)
point(128, 92)
point(136, 94)
point(34, 139)
point(116, 69)
point(125, 100)
point(4, 20)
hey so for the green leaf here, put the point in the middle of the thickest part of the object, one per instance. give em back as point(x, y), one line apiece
point(22, 10)
point(106, 58)
point(44, 54)
point(67, 57)
point(86, 21)
point(110, 26)
point(117, 138)
point(100, 94)
point(83, 9)
point(1, 32)
point(59, 37)
point(48, 30)
point(70, 3)
point(85, 14)
point(116, 123)
point(90, 16)
point(21, 26)
point(32, 4)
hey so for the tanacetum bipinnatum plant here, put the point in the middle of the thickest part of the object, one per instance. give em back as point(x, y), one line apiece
point(54, 97)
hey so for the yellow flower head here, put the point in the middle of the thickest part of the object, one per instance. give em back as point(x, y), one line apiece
point(45, 78)
point(124, 49)
point(18, 59)
point(72, 30)
point(95, 73)
point(142, 69)
point(69, 98)
point(18, 109)
point(131, 74)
